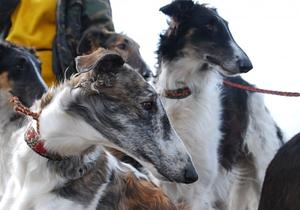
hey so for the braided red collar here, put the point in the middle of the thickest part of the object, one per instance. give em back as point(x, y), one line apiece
point(32, 138)
point(178, 93)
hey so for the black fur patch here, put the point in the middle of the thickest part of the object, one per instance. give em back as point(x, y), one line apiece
point(281, 188)
point(279, 134)
point(235, 121)
point(198, 18)
point(23, 69)
point(166, 126)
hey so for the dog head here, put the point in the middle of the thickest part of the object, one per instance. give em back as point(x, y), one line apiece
point(198, 31)
point(122, 111)
point(95, 37)
point(20, 73)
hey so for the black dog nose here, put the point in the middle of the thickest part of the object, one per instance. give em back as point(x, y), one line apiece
point(146, 73)
point(245, 65)
point(190, 174)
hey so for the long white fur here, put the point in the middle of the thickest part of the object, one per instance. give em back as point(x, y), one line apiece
point(6, 145)
point(31, 182)
point(197, 120)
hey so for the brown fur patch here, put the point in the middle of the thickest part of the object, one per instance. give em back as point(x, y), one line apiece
point(4, 81)
point(142, 195)
point(125, 53)
point(129, 192)
point(118, 154)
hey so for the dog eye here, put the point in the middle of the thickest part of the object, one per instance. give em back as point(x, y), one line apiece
point(19, 67)
point(210, 26)
point(20, 64)
point(148, 105)
point(122, 46)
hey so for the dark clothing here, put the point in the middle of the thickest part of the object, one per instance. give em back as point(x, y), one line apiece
point(73, 18)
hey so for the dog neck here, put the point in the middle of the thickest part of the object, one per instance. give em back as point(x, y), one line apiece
point(64, 134)
point(185, 73)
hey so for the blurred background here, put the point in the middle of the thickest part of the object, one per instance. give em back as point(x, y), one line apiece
point(267, 30)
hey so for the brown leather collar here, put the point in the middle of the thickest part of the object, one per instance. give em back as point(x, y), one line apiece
point(178, 93)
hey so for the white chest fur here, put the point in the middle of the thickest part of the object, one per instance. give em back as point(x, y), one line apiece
point(197, 120)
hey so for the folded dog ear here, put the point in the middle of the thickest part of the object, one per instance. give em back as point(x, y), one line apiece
point(100, 60)
point(92, 39)
point(109, 62)
point(179, 9)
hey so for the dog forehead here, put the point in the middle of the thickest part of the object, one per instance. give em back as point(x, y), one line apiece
point(205, 13)
point(132, 81)
point(201, 15)
point(129, 76)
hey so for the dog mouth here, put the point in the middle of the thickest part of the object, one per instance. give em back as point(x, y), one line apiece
point(213, 60)
point(161, 177)
point(217, 62)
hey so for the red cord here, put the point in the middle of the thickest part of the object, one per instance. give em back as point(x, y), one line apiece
point(20, 108)
point(259, 90)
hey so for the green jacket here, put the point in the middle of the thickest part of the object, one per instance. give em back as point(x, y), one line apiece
point(73, 18)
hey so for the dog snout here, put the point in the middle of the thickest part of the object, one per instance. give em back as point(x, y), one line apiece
point(190, 174)
point(244, 65)
point(143, 69)
point(146, 73)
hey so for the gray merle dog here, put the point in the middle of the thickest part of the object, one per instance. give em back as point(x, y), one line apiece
point(56, 165)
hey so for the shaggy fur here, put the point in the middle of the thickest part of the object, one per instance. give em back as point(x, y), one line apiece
point(97, 37)
point(106, 104)
point(19, 75)
point(127, 191)
point(229, 133)
point(281, 185)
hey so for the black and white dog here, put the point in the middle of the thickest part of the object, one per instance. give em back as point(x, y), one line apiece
point(281, 189)
point(20, 76)
point(229, 133)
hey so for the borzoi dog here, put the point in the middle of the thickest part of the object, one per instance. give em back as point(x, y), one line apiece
point(19, 75)
point(96, 37)
point(107, 103)
point(281, 188)
point(229, 133)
